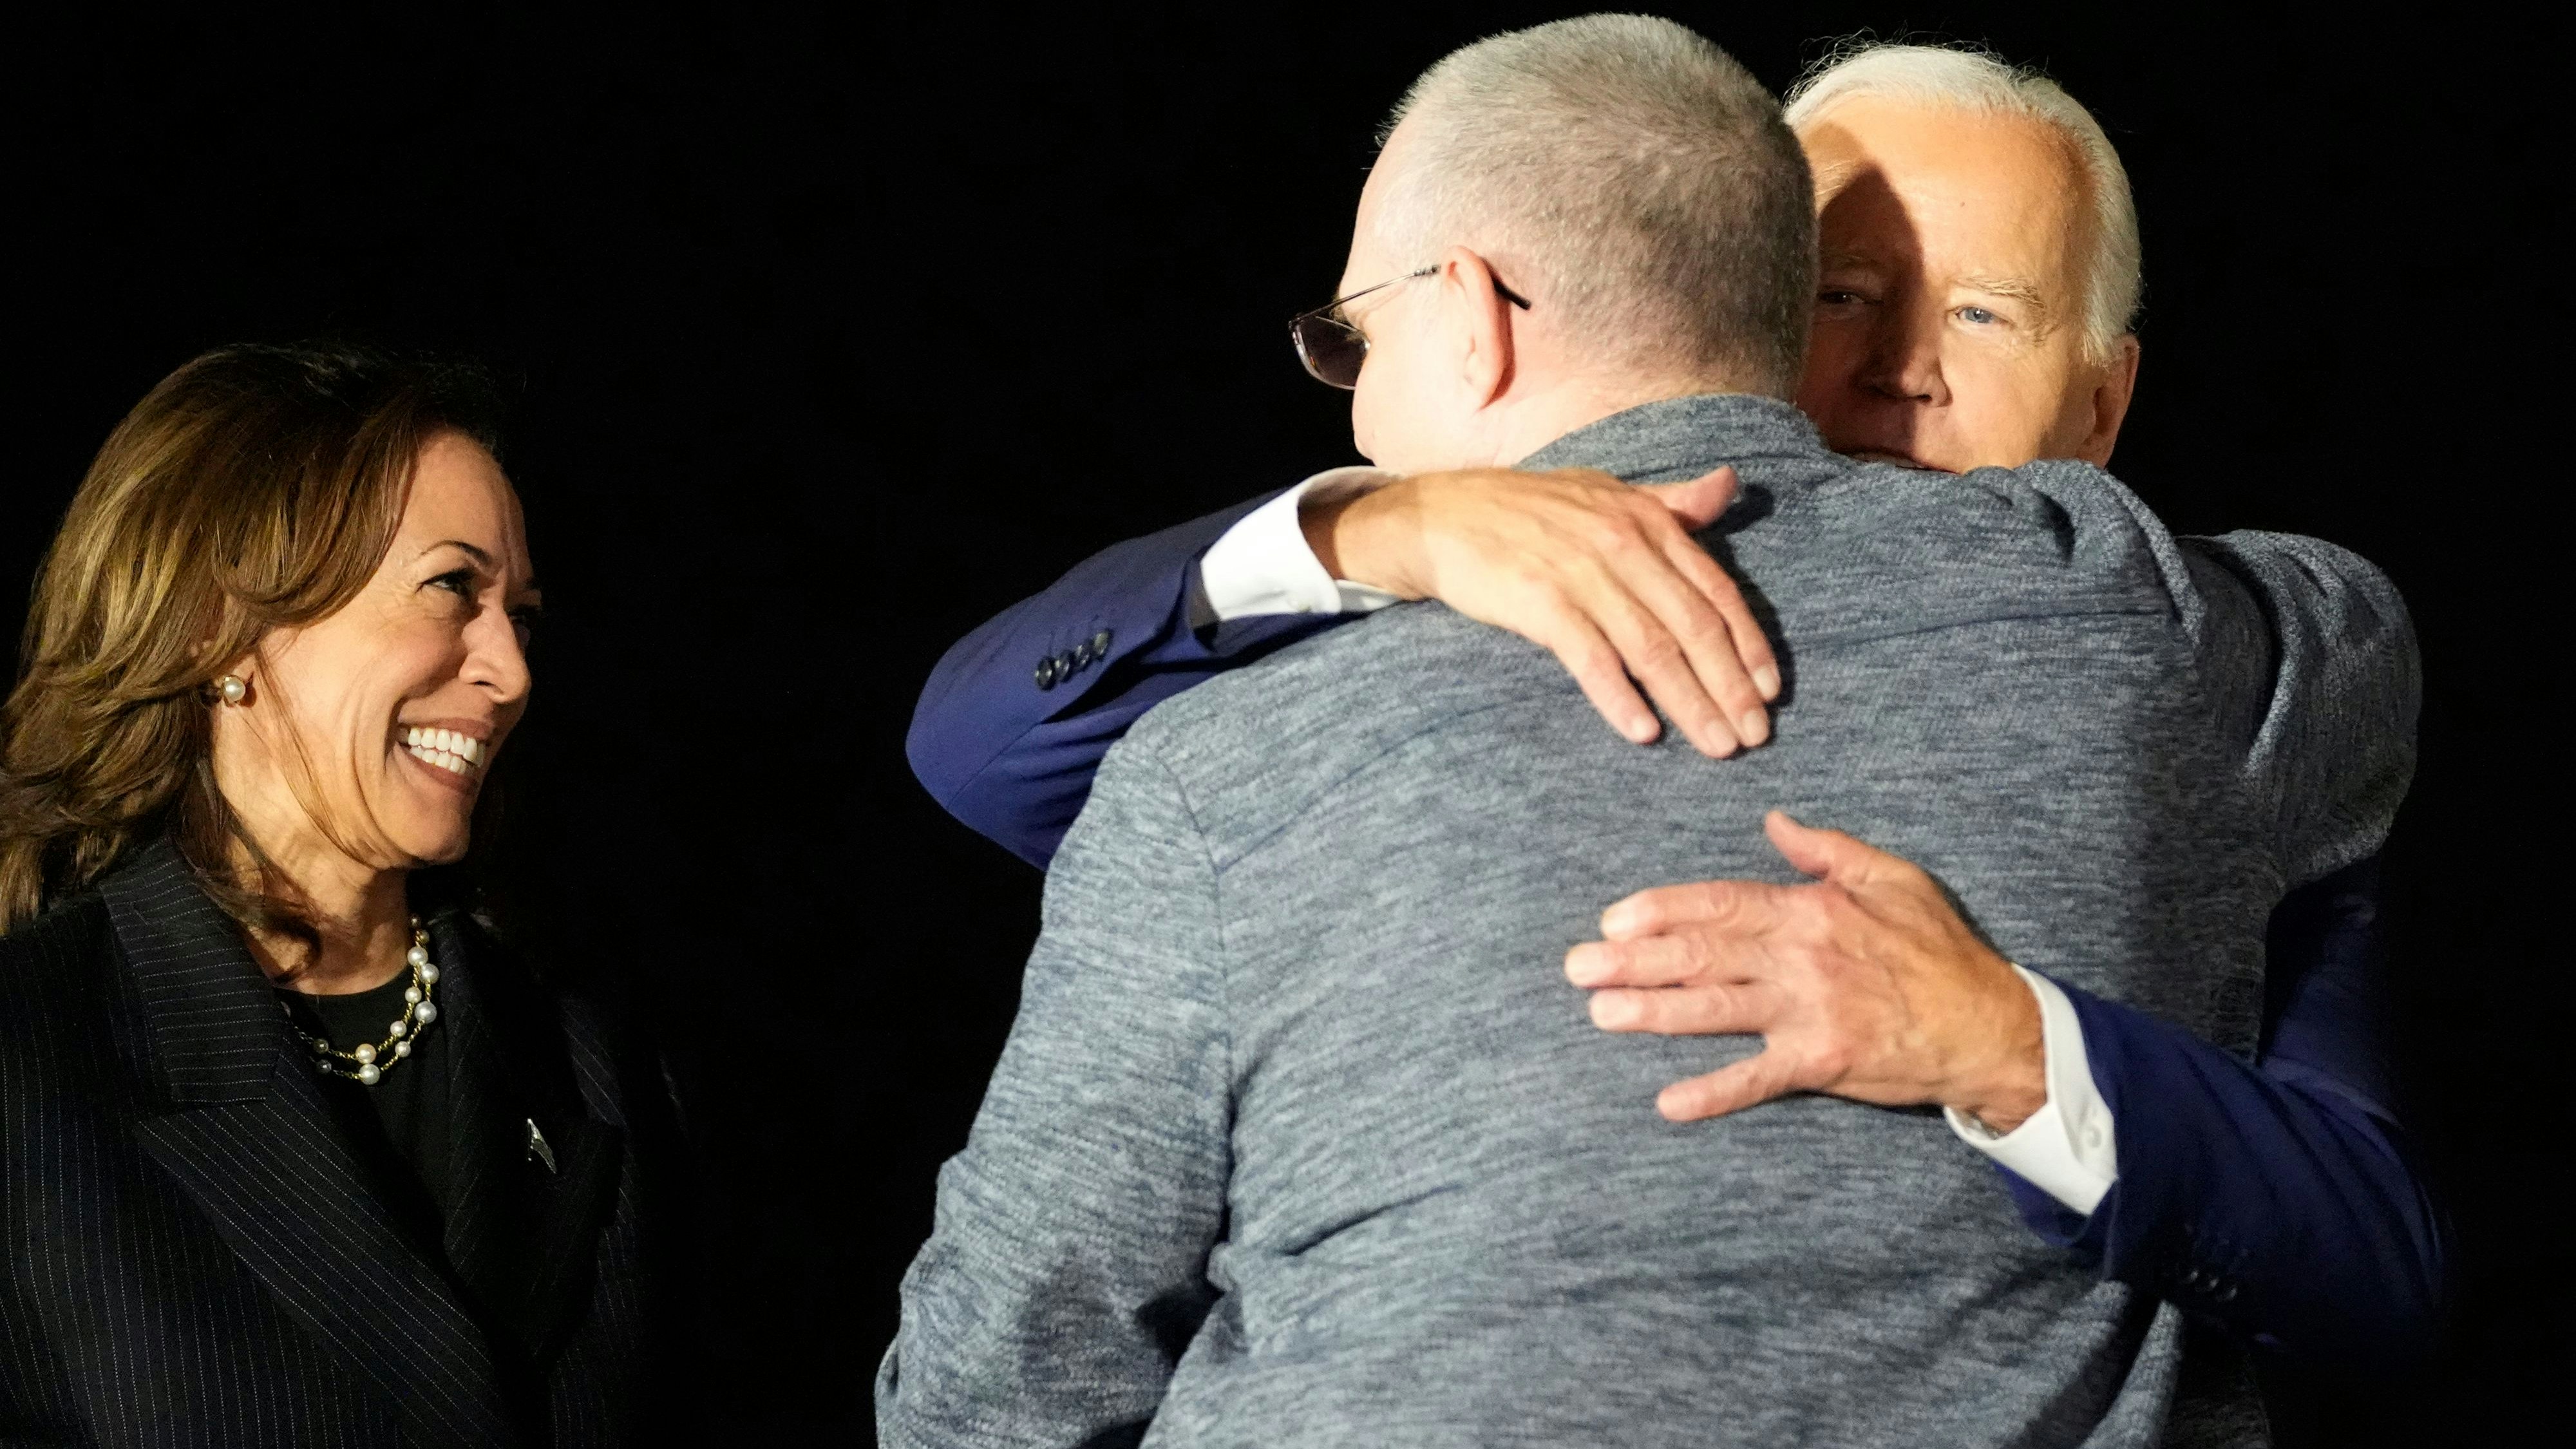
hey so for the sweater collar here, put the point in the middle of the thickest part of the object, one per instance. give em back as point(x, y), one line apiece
point(1685, 436)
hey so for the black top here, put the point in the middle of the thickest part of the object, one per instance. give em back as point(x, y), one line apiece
point(405, 1116)
point(194, 1246)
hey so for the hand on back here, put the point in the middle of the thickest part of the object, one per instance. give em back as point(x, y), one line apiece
point(1602, 574)
point(1866, 984)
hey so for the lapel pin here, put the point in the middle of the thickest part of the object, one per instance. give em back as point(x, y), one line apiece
point(537, 1149)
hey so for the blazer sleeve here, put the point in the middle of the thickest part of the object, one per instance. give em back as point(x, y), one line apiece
point(1067, 1267)
point(2278, 1199)
point(1018, 714)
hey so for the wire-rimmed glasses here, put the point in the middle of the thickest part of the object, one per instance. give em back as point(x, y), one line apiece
point(1333, 349)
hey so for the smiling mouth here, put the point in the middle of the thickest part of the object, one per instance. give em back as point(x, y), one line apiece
point(457, 753)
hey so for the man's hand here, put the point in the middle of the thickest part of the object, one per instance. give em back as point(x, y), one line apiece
point(1603, 575)
point(1865, 985)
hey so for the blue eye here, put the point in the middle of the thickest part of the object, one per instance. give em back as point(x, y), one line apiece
point(1978, 315)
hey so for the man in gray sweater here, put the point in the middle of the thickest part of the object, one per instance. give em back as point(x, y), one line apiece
point(1303, 1136)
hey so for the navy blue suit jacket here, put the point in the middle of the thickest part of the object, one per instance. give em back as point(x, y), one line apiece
point(2275, 1198)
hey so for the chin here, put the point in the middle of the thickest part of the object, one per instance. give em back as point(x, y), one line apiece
point(447, 850)
point(430, 837)
point(1375, 451)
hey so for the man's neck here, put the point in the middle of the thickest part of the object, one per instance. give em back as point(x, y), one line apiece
point(1547, 416)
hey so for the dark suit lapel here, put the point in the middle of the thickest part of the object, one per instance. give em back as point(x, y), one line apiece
point(524, 1231)
point(248, 1137)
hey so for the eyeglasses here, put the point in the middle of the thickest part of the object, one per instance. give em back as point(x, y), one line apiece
point(1333, 349)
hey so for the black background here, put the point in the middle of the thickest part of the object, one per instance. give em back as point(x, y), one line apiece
point(831, 336)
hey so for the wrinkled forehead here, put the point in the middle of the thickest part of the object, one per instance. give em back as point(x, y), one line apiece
point(459, 492)
point(1953, 189)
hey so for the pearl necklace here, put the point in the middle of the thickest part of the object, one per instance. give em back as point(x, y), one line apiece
point(367, 1063)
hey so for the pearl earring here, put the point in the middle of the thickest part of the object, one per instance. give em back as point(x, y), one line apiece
point(231, 687)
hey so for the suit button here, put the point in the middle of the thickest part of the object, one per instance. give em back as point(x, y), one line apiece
point(1046, 673)
point(2227, 1294)
point(1066, 664)
point(1100, 645)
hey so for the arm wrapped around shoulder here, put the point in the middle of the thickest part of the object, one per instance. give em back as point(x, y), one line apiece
point(2310, 661)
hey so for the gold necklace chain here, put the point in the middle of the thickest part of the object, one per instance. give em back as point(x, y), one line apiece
point(367, 1062)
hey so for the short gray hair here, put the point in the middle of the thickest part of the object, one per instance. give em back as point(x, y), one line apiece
point(1632, 175)
point(1976, 80)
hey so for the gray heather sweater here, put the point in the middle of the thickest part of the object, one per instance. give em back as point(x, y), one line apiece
point(1302, 1138)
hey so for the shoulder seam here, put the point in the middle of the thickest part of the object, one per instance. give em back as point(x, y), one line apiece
point(1224, 963)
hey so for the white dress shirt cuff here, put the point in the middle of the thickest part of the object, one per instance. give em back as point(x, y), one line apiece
point(1263, 565)
point(2067, 1148)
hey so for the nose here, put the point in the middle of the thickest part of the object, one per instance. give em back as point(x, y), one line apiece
point(495, 661)
point(1904, 360)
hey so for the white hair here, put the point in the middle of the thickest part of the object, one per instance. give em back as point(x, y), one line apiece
point(1977, 81)
point(1627, 175)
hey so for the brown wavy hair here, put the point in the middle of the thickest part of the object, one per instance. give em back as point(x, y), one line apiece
point(254, 488)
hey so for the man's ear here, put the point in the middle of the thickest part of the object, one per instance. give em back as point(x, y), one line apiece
point(1479, 321)
point(2119, 383)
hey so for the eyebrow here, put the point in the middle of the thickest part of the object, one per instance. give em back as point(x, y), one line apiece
point(481, 557)
point(2021, 289)
point(478, 555)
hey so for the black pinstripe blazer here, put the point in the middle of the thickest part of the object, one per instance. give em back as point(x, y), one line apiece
point(190, 1249)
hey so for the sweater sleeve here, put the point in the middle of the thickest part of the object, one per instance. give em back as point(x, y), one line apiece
point(1067, 1268)
point(2309, 657)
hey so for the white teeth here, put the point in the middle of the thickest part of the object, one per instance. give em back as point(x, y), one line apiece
point(442, 759)
point(450, 750)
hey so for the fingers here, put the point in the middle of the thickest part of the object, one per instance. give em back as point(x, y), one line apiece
point(1685, 1010)
point(1666, 636)
point(1677, 959)
point(1732, 1088)
point(1696, 505)
point(1752, 646)
point(1639, 581)
point(1599, 672)
point(1829, 854)
point(1603, 575)
point(1699, 502)
point(1743, 906)
point(1694, 599)
point(1696, 609)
